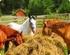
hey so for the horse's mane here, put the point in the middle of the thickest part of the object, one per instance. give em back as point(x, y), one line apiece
point(60, 25)
point(25, 21)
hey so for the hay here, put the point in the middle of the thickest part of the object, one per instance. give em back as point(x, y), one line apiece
point(40, 45)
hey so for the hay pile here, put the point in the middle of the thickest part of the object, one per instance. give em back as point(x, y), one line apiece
point(40, 45)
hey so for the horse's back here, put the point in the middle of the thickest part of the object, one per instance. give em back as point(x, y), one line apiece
point(15, 26)
point(7, 30)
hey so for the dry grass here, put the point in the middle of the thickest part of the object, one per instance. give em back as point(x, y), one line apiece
point(40, 45)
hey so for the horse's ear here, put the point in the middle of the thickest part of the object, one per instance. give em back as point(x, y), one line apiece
point(34, 17)
point(29, 15)
point(45, 22)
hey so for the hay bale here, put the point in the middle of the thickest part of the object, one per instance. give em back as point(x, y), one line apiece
point(41, 45)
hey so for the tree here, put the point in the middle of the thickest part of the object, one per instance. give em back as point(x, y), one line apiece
point(65, 7)
point(48, 5)
point(35, 7)
point(6, 6)
point(57, 4)
point(40, 6)
point(9, 5)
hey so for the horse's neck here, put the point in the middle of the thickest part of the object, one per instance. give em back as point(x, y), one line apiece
point(60, 29)
point(25, 27)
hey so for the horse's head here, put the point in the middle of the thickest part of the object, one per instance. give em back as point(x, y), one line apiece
point(49, 24)
point(32, 22)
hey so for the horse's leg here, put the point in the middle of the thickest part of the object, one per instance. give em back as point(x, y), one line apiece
point(1, 48)
point(19, 39)
point(6, 45)
point(2, 41)
point(67, 38)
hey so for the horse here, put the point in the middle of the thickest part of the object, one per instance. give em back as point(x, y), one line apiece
point(28, 27)
point(61, 28)
point(8, 34)
point(48, 23)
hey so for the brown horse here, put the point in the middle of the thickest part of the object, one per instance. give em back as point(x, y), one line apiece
point(7, 34)
point(59, 27)
point(49, 23)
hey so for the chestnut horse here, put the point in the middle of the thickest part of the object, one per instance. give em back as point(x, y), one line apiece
point(7, 34)
point(59, 27)
point(47, 24)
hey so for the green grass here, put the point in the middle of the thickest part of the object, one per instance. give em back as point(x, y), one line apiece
point(39, 23)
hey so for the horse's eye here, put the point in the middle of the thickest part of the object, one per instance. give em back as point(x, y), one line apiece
point(31, 23)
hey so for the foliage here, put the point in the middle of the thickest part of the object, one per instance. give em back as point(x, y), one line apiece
point(36, 7)
point(47, 4)
point(65, 7)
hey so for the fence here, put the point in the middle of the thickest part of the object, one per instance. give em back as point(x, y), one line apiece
point(8, 19)
point(40, 18)
point(65, 16)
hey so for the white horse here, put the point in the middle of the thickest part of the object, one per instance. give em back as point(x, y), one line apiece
point(28, 27)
